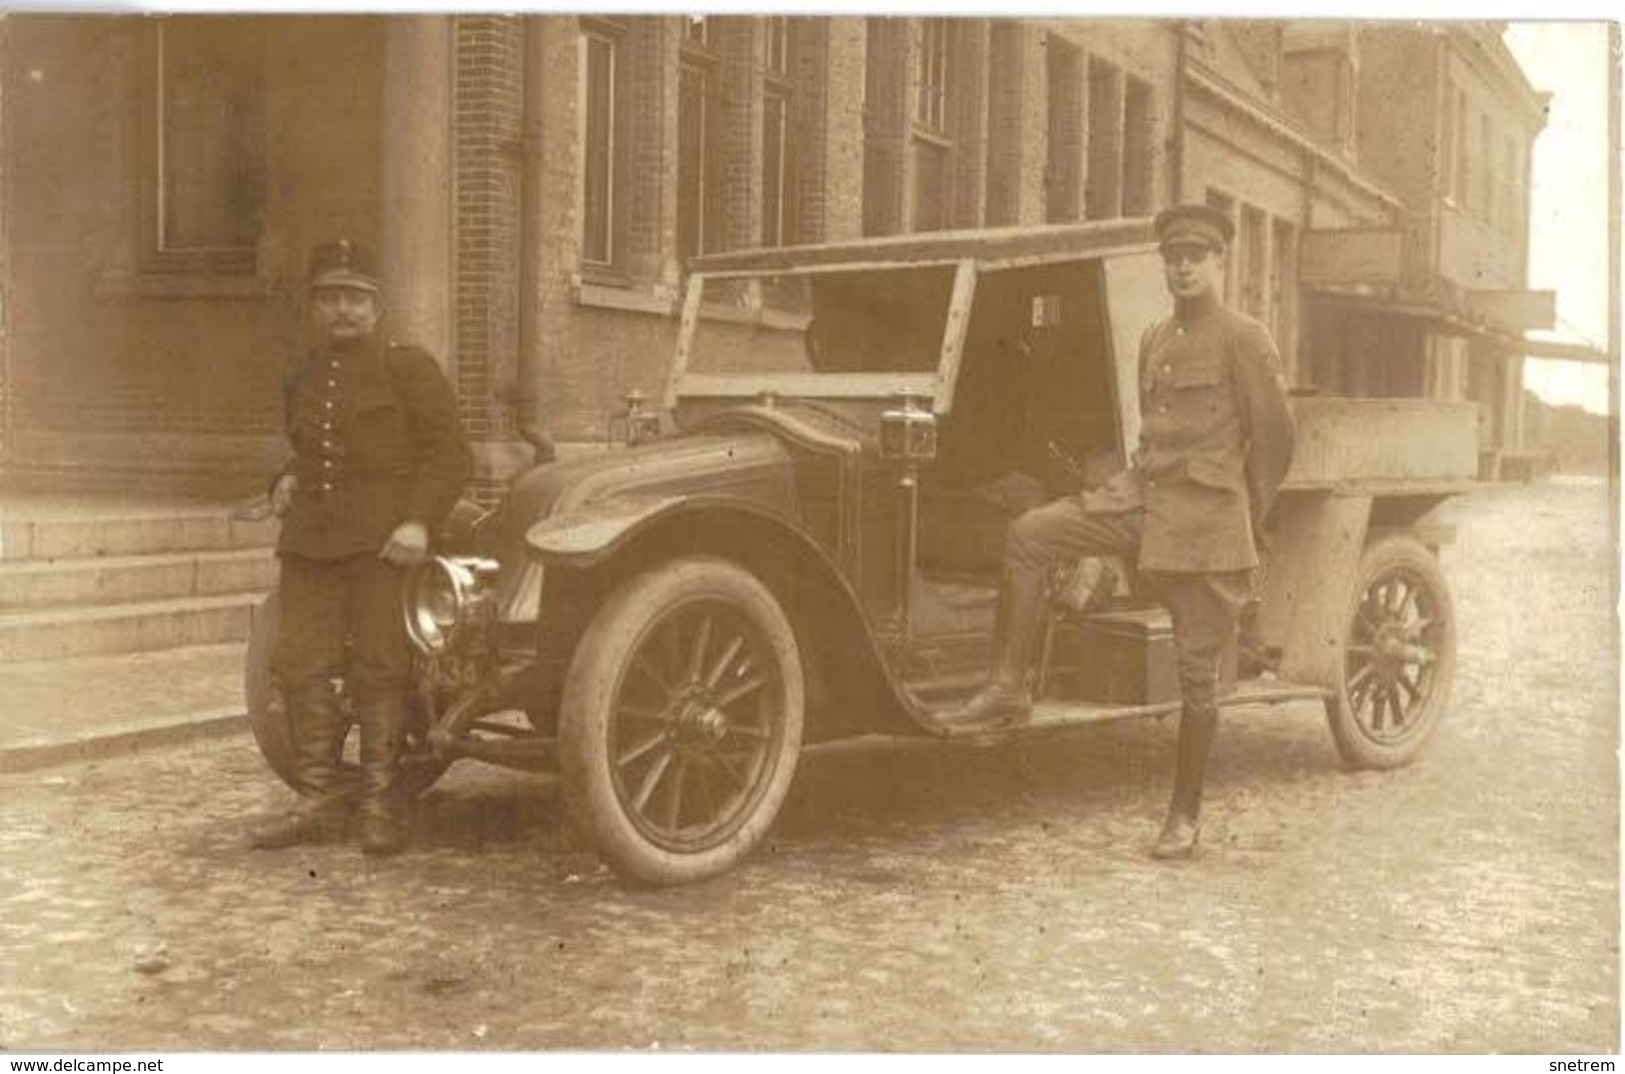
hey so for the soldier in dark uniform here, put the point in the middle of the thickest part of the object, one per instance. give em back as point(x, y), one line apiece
point(1216, 439)
point(379, 459)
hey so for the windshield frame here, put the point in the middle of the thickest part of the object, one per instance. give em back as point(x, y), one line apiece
point(937, 385)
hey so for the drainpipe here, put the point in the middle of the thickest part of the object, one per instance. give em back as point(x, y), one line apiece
point(528, 367)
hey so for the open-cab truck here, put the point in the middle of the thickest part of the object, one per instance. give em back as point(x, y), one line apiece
point(801, 543)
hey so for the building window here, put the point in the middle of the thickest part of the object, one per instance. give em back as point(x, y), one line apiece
point(1103, 196)
point(1448, 134)
point(1283, 296)
point(933, 80)
point(933, 144)
point(203, 145)
point(1484, 194)
point(1226, 204)
point(1464, 157)
point(1346, 103)
point(601, 144)
point(1252, 263)
point(779, 165)
point(1137, 147)
point(1063, 67)
point(1512, 189)
point(699, 124)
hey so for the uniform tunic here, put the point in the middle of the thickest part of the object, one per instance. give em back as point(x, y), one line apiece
point(1216, 439)
point(376, 442)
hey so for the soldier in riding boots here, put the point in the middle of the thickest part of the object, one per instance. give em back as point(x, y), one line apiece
point(1216, 439)
point(379, 460)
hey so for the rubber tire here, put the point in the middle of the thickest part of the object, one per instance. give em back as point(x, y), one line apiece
point(1354, 746)
point(602, 657)
point(268, 717)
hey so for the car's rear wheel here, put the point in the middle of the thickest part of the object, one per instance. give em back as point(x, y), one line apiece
point(682, 720)
point(1399, 655)
point(269, 719)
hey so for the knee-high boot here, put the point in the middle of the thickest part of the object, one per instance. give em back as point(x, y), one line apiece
point(1007, 698)
point(318, 737)
point(383, 722)
point(1198, 726)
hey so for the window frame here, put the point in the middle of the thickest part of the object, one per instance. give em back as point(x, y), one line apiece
point(1104, 117)
point(613, 34)
point(1252, 262)
point(934, 96)
point(699, 57)
point(933, 121)
point(155, 257)
point(1230, 205)
point(1461, 188)
point(780, 207)
point(1136, 189)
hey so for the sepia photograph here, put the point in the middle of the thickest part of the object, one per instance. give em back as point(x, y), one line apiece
point(753, 531)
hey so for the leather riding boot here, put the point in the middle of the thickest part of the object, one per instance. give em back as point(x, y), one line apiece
point(1198, 725)
point(318, 738)
point(1007, 698)
point(383, 722)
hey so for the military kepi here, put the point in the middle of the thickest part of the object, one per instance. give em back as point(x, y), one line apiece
point(1194, 223)
point(342, 263)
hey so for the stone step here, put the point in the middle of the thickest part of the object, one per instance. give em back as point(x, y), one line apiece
point(44, 583)
point(142, 531)
point(45, 634)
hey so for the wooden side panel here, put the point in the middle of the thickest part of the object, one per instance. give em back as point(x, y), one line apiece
point(1344, 440)
point(1317, 538)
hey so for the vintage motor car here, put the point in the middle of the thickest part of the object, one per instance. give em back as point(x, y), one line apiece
point(803, 544)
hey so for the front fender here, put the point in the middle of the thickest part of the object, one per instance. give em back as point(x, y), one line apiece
point(587, 535)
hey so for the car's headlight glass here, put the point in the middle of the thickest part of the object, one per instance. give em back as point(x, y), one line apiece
point(444, 598)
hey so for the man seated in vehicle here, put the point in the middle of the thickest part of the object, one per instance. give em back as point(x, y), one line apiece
point(1216, 439)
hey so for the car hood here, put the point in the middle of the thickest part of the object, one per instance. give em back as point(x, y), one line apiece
point(749, 464)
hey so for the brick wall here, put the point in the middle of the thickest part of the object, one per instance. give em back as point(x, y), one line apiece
point(487, 110)
point(885, 130)
point(736, 39)
point(842, 125)
point(970, 123)
point(650, 48)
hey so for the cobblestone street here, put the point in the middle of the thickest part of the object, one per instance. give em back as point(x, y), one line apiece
point(917, 897)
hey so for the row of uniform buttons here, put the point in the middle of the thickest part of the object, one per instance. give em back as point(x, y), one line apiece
point(1162, 408)
point(1167, 371)
point(330, 450)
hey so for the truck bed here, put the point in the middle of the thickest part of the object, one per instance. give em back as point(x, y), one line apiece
point(1384, 446)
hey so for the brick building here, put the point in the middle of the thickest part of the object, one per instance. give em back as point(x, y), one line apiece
point(535, 185)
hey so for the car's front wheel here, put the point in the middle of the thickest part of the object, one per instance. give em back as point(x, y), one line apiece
point(681, 720)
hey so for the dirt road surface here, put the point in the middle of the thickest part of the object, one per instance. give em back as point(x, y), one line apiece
point(919, 898)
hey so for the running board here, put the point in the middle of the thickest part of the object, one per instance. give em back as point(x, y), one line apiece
point(1057, 714)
